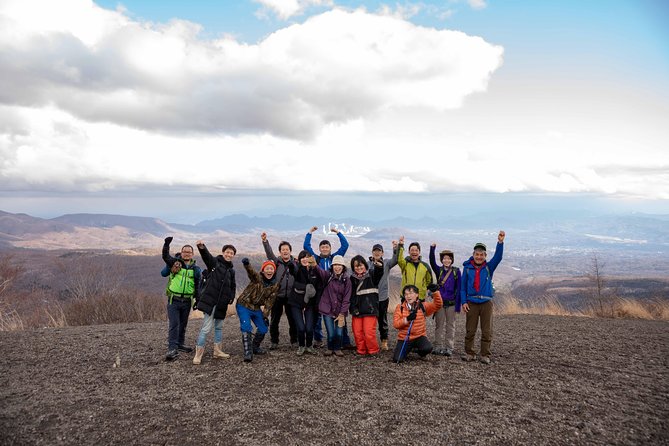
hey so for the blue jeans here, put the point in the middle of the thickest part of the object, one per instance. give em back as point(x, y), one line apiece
point(246, 316)
point(207, 323)
point(304, 322)
point(177, 316)
point(334, 333)
point(318, 328)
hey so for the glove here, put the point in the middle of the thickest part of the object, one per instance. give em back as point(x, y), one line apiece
point(176, 267)
point(433, 287)
point(168, 240)
point(412, 315)
point(245, 261)
point(291, 268)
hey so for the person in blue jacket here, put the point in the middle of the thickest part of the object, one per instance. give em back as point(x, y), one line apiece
point(324, 260)
point(477, 292)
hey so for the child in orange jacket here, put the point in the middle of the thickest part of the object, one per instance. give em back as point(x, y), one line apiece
point(412, 312)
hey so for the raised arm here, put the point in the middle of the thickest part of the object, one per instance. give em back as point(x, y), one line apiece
point(254, 277)
point(433, 260)
point(307, 241)
point(208, 259)
point(393, 260)
point(167, 258)
point(268, 249)
point(344, 243)
point(401, 261)
point(499, 252)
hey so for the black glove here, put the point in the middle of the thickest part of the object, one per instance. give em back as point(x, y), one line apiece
point(168, 240)
point(412, 315)
point(291, 268)
point(433, 287)
point(245, 261)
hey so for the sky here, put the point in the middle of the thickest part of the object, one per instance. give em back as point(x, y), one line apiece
point(188, 110)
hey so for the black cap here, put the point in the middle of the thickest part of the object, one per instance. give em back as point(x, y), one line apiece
point(480, 245)
point(377, 246)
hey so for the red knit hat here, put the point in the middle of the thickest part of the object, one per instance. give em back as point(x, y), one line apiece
point(267, 263)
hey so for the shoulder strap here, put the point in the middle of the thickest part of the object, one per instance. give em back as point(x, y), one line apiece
point(445, 277)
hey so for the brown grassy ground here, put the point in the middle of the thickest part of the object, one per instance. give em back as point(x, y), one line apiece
point(553, 380)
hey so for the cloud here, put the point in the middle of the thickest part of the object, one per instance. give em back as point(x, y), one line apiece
point(285, 9)
point(335, 67)
point(477, 4)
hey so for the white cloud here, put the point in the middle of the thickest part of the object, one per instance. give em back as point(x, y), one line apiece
point(285, 9)
point(477, 4)
point(335, 67)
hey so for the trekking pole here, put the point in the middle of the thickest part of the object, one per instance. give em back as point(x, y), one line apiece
point(399, 358)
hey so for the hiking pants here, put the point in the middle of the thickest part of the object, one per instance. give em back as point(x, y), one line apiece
point(421, 344)
point(484, 313)
point(364, 331)
point(383, 319)
point(277, 311)
point(246, 316)
point(177, 315)
point(444, 332)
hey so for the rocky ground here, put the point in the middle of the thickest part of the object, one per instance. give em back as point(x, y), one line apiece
point(553, 380)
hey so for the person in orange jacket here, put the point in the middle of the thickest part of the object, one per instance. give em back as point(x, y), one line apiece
point(412, 312)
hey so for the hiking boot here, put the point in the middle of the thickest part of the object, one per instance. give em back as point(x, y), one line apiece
point(485, 360)
point(318, 344)
point(338, 353)
point(448, 352)
point(218, 353)
point(300, 351)
point(248, 349)
point(274, 346)
point(437, 351)
point(310, 350)
point(183, 348)
point(327, 353)
point(257, 340)
point(172, 355)
point(384, 345)
point(468, 358)
point(199, 351)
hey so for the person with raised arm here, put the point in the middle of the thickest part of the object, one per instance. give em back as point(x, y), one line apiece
point(324, 260)
point(414, 271)
point(448, 280)
point(477, 292)
point(218, 293)
point(285, 263)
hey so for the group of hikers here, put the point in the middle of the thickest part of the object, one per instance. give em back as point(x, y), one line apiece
point(317, 288)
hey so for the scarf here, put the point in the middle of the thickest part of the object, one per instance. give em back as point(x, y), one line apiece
point(477, 276)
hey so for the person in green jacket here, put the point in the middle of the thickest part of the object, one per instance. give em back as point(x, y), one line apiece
point(414, 270)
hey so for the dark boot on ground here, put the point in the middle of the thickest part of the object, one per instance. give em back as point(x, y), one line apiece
point(248, 348)
point(257, 340)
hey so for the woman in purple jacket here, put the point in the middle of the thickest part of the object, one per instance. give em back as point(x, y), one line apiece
point(448, 280)
point(334, 303)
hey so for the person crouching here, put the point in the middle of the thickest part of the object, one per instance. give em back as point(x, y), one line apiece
point(260, 292)
point(409, 320)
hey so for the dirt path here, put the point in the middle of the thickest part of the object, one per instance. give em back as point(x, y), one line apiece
point(554, 380)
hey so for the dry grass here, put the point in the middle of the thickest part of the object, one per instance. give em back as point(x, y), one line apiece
point(547, 305)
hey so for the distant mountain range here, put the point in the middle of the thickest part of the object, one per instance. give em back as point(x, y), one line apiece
point(537, 233)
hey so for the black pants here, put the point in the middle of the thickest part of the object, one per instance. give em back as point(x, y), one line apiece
point(383, 319)
point(422, 346)
point(277, 311)
point(304, 322)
